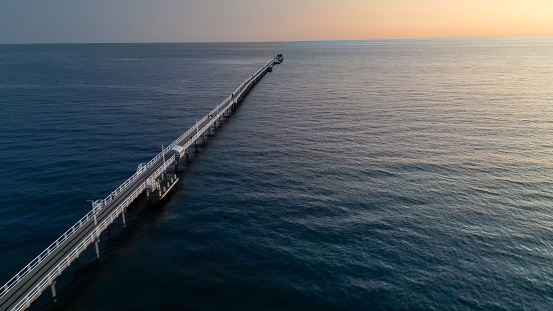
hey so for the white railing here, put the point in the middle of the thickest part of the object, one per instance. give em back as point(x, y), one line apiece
point(45, 253)
point(65, 262)
point(216, 113)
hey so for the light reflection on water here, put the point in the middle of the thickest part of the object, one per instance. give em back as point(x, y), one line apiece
point(357, 175)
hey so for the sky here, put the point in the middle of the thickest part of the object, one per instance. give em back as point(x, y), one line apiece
point(76, 21)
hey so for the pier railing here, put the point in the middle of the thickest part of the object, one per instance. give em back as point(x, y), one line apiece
point(45, 253)
point(98, 205)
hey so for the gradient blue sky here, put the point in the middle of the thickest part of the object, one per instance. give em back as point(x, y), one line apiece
point(55, 21)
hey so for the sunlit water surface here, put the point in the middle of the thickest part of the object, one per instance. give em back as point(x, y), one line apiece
point(370, 175)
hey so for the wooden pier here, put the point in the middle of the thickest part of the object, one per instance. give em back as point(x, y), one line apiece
point(156, 178)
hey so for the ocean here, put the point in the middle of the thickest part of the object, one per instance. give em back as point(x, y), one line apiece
point(357, 175)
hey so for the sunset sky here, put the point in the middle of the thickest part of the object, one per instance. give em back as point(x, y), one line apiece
point(35, 21)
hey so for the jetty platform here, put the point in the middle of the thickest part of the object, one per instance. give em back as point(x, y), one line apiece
point(151, 178)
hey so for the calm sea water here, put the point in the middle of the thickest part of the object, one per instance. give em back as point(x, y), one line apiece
point(369, 175)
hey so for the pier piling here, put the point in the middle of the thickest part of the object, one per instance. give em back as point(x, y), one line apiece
point(53, 288)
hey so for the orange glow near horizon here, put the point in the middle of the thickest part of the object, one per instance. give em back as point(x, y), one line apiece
point(270, 20)
point(409, 19)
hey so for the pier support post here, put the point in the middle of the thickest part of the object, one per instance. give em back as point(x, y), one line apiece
point(97, 237)
point(97, 249)
point(124, 222)
point(53, 288)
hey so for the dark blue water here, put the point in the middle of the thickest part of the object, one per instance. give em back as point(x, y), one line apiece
point(377, 175)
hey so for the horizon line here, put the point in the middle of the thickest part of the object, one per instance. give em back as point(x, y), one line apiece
point(288, 41)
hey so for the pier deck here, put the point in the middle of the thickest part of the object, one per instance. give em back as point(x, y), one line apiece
point(27, 285)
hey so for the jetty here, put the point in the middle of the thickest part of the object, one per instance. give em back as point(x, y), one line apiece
point(155, 178)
